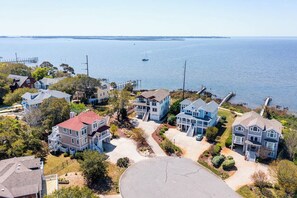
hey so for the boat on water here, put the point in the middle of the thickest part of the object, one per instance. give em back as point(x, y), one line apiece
point(145, 59)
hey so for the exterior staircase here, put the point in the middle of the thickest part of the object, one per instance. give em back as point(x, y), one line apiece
point(251, 156)
point(146, 116)
point(190, 131)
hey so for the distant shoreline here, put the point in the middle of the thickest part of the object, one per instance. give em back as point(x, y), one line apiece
point(123, 38)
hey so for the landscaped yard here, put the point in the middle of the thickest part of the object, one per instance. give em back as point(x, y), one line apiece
point(60, 165)
point(226, 129)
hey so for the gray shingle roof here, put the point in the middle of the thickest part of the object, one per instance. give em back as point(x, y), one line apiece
point(20, 176)
point(200, 104)
point(186, 102)
point(252, 118)
point(157, 95)
point(21, 79)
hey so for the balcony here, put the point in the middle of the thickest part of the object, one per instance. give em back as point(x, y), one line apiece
point(104, 135)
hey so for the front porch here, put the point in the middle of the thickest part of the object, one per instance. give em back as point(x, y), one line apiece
point(251, 150)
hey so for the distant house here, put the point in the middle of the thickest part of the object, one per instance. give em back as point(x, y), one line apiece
point(46, 82)
point(85, 131)
point(196, 116)
point(21, 82)
point(257, 135)
point(152, 105)
point(33, 100)
point(21, 177)
point(103, 92)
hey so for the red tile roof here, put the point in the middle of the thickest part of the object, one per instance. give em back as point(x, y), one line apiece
point(77, 123)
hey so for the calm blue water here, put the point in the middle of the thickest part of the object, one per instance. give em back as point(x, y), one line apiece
point(254, 68)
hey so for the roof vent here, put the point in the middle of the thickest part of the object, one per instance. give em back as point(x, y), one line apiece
point(2, 189)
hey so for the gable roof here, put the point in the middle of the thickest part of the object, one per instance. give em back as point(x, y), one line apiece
point(21, 79)
point(199, 104)
point(50, 81)
point(254, 119)
point(157, 95)
point(78, 122)
point(20, 176)
point(36, 98)
point(186, 102)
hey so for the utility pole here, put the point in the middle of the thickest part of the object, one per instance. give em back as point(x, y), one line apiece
point(16, 58)
point(185, 67)
point(87, 63)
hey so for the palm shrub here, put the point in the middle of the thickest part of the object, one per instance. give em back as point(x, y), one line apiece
point(123, 162)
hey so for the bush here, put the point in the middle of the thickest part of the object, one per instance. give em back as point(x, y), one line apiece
point(228, 164)
point(228, 142)
point(229, 157)
point(123, 162)
point(171, 120)
point(211, 133)
point(78, 155)
point(217, 161)
point(66, 154)
point(224, 118)
point(215, 149)
point(267, 193)
point(165, 128)
point(169, 147)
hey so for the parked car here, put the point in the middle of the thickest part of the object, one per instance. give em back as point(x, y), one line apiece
point(199, 137)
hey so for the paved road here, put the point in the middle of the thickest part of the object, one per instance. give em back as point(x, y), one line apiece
point(149, 127)
point(172, 177)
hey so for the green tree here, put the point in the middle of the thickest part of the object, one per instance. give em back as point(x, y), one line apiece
point(129, 87)
point(287, 176)
point(54, 111)
point(18, 139)
point(15, 68)
point(171, 120)
point(67, 69)
point(77, 108)
point(211, 133)
point(94, 166)
point(291, 143)
point(40, 73)
point(113, 85)
point(175, 107)
point(119, 100)
point(73, 192)
point(4, 86)
point(16, 96)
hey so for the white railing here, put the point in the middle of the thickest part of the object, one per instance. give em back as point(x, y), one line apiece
point(104, 135)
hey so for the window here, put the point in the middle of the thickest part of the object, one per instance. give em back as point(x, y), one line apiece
point(70, 132)
point(85, 140)
point(64, 130)
point(154, 109)
point(238, 139)
point(72, 140)
point(77, 142)
point(76, 133)
point(154, 103)
point(239, 128)
point(271, 134)
point(270, 145)
point(28, 81)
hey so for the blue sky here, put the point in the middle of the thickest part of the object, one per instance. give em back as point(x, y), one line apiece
point(154, 17)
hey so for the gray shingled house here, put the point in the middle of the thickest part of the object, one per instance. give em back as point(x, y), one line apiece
point(257, 135)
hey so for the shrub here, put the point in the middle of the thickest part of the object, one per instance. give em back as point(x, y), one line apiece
point(169, 147)
point(217, 161)
point(228, 164)
point(229, 157)
point(224, 118)
point(171, 120)
point(72, 156)
point(215, 149)
point(165, 128)
point(228, 142)
point(267, 193)
point(123, 162)
point(78, 155)
point(211, 133)
point(287, 176)
point(66, 154)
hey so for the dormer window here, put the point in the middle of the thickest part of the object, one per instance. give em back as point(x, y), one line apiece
point(271, 134)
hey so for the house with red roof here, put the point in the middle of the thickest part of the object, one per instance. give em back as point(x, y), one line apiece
point(87, 130)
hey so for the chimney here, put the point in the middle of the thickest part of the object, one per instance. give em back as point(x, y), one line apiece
point(72, 114)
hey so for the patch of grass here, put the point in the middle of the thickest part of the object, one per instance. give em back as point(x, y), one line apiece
point(60, 165)
point(114, 173)
point(225, 130)
point(246, 192)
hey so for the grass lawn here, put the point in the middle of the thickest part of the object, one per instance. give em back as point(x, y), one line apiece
point(226, 130)
point(246, 192)
point(60, 165)
point(114, 172)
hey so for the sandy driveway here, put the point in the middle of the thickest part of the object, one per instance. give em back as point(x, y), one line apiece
point(123, 147)
point(149, 128)
point(192, 149)
point(244, 169)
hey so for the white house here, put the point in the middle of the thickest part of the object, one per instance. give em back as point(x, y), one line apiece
point(103, 92)
point(152, 105)
point(256, 134)
point(33, 100)
point(46, 82)
point(196, 116)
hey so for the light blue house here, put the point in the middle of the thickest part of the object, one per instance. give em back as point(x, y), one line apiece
point(196, 116)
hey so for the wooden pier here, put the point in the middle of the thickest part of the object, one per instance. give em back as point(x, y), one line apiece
point(266, 103)
point(134, 83)
point(227, 98)
point(20, 60)
point(203, 88)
